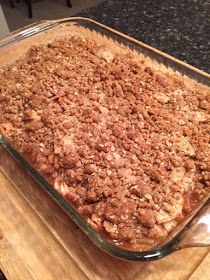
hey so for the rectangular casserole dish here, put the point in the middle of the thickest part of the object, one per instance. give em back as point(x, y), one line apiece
point(195, 229)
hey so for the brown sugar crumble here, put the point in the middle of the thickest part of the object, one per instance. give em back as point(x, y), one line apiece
point(128, 146)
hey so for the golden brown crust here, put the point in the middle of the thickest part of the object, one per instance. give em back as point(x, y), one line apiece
point(126, 143)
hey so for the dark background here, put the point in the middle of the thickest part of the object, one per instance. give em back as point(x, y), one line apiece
point(177, 27)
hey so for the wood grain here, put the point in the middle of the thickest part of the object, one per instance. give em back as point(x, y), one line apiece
point(12, 265)
point(202, 272)
point(177, 266)
point(28, 245)
point(39, 241)
point(97, 265)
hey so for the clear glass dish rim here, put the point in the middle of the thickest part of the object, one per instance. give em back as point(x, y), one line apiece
point(101, 242)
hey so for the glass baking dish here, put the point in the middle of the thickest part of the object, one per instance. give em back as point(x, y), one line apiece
point(195, 229)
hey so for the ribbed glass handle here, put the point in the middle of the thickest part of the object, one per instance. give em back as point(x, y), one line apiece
point(198, 232)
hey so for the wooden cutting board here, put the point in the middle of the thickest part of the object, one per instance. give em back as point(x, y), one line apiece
point(39, 241)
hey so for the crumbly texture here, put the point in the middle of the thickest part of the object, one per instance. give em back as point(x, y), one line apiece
point(128, 146)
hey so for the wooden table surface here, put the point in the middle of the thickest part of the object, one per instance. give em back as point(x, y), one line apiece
point(38, 241)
